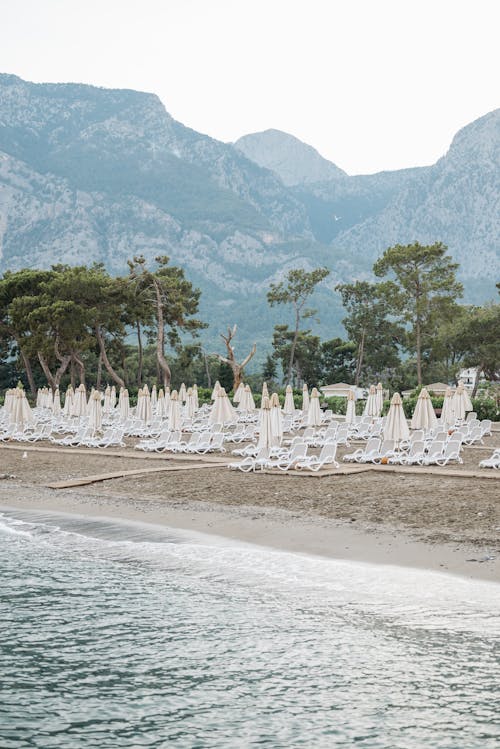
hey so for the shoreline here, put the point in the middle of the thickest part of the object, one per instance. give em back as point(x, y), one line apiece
point(269, 527)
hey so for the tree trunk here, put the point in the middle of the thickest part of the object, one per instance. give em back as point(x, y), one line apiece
point(29, 372)
point(160, 340)
point(54, 379)
point(207, 370)
point(140, 355)
point(359, 362)
point(418, 346)
point(476, 379)
point(100, 339)
point(99, 373)
point(81, 366)
point(72, 374)
point(293, 347)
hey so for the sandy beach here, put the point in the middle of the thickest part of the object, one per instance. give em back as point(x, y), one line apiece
point(444, 523)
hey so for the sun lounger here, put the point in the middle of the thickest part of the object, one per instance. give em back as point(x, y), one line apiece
point(317, 462)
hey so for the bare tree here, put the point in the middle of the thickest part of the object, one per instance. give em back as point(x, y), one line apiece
point(230, 359)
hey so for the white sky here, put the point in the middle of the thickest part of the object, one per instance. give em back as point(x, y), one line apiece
point(372, 84)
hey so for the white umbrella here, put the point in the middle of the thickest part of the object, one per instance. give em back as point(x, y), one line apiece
point(182, 393)
point(49, 403)
point(113, 397)
point(424, 416)
point(239, 393)
point(195, 397)
point(161, 408)
point(167, 401)
point(174, 414)
point(154, 397)
point(305, 399)
point(459, 403)
point(314, 411)
point(107, 400)
point(380, 398)
point(265, 427)
point(371, 405)
point(68, 401)
point(79, 404)
point(265, 391)
point(447, 415)
point(247, 402)
point(396, 426)
point(9, 400)
point(468, 402)
point(95, 412)
point(350, 414)
point(57, 403)
point(189, 407)
point(222, 410)
point(276, 419)
point(39, 398)
point(124, 404)
point(215, 390)
point(289, 406)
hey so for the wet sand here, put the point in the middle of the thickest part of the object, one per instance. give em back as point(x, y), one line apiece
point(443, 523)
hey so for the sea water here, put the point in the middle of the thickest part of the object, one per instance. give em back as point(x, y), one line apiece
point(118, 635)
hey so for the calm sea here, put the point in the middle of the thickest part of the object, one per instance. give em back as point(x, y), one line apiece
point(119, 635)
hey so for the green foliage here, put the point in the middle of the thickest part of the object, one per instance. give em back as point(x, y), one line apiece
point(421, 293)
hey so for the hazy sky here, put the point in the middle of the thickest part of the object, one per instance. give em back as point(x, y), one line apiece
point(372, 84)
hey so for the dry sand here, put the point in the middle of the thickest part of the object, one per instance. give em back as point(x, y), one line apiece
point(445, 523)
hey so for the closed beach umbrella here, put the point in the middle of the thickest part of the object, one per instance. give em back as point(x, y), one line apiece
point(380, 398)
point(167, 400)
point(247, 402)
point(154, 397)
point(305, 399)
point(265, 391)
point(371, 406)
point(289, 406)
point(113, 397)
point(396, 426)
point(16, 414)
point(49, 402)
point(68, 401)
point(124, 404)
point(79, 404)
point(95, 411)
point(459, 403)
point(39, 398)
point(9, 400)
point(174, 414)
point(182, 393)
point(265, 428)
point(447, 415)
point(314, 412)
point(56, 409)
point(239, 393)
point(107, 400)
point(424, 416)
point(189, 407)
point(276, 420)
point(195, 397)
point(215, 390)
point(222, 410)
point(350, 414)
point(161, 410)
point(468, 402)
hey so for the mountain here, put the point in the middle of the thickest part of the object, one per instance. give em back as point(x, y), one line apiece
point(90, 174)
point(293, 161)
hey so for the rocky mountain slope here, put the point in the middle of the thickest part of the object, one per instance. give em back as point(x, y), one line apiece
point(90, 174)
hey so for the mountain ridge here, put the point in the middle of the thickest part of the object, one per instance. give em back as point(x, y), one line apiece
point(93, 174)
